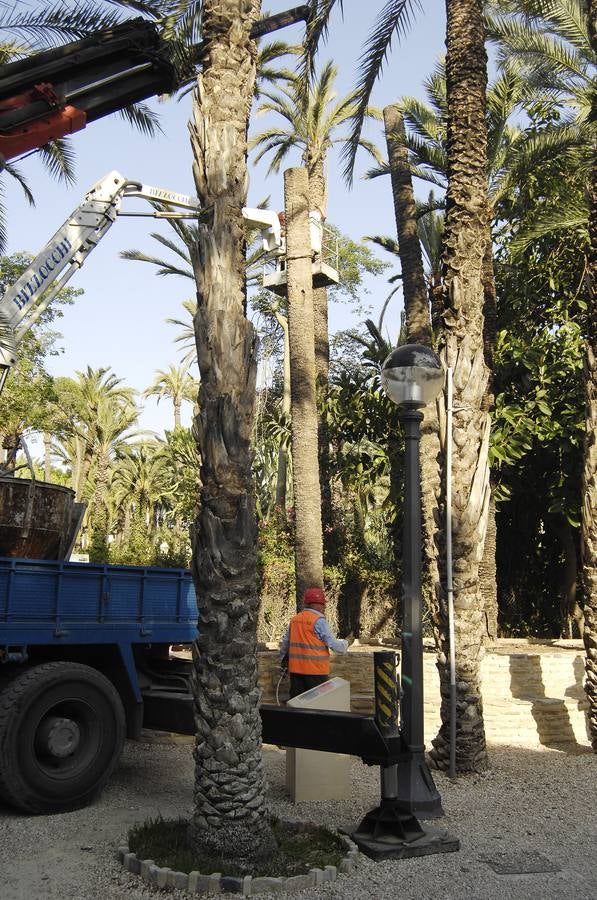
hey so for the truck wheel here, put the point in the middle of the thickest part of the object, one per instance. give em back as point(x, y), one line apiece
point(62, 728)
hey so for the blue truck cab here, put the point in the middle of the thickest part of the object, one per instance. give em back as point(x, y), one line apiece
point(84, 663)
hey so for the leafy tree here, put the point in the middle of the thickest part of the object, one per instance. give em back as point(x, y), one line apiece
point(24, 402)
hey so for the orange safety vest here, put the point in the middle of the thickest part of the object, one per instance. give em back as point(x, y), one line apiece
point(307, 654)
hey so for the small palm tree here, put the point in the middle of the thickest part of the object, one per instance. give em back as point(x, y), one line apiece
point(177, 385)
point(139, 486)
point(113, 430)
point(77, 417)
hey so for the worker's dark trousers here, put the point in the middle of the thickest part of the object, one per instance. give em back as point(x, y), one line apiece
point(301, 683)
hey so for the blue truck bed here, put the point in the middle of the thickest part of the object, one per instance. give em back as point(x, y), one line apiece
point(55, 603)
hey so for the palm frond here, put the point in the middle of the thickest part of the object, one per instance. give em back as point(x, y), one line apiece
point(12, 170)
point(50, 26)
point(567, 217)
point(164, 267)
point(317, 31)
point(394, 19)
point(143, 118)
point(385, 242)
point(59, 160)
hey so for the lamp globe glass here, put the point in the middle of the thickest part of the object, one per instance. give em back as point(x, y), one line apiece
point(412, 375)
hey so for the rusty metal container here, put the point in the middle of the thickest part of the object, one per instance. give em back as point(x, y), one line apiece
point(38, 520)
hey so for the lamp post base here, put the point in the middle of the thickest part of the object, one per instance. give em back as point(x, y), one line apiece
point(417, 793)
point(387, 832)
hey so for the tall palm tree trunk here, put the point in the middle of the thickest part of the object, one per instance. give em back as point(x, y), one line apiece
point(318, 202)
point(416, 303)
point(282, 476)
point(418, 331)
point(305, 470)
point(487, 567)
point(462, 349)
point(589, 508)
point(229, 794)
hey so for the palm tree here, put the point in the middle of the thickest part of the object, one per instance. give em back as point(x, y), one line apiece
point(308, 541)
point(461, 342)
point(93, 417)
point(75, 417)
point(112, 430)
point(177, 385)
point(229, 815)
point(589, 510)
point(313, 119)
point(507, 156)
point(139, 486)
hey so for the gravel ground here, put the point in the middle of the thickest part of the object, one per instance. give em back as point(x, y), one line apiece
point(532, 802)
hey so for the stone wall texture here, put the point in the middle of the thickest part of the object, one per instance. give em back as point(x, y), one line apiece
point(529, 698)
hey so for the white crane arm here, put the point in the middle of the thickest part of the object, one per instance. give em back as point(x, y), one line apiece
point(26, 300)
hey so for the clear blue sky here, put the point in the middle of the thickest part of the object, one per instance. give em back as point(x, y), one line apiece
point(120, 320)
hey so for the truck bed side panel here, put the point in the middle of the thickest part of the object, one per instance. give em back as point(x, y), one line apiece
point(51, 601)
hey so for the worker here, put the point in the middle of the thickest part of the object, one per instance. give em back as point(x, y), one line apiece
point(305, 648)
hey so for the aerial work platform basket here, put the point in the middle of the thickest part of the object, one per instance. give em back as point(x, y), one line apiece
point(324, 248)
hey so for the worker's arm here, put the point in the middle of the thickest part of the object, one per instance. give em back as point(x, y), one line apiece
point(324, 633)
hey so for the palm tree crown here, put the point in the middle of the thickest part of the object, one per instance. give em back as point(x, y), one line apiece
point(313, 119)
point(177, 385)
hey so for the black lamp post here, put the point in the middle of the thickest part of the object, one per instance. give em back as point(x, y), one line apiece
point(413, 376)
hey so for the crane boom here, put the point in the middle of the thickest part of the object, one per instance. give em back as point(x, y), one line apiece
point(59, 91)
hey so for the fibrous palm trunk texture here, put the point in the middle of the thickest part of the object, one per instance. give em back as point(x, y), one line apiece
point(418, 329)
point(487, 568)
point(589, 505)
point(461, 346)
point(229, 794)
point(318, 203)
point(308, 548)
point(282, 476)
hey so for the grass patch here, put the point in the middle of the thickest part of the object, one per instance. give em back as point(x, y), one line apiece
point(301, 847)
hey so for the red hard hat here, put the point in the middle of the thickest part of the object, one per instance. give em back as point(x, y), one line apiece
point(314, 595)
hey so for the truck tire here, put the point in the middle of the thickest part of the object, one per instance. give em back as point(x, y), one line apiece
point(62, 728)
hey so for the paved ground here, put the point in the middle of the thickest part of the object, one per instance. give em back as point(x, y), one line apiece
point(535, 808)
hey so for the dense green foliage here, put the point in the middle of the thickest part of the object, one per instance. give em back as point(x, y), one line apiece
point(142, 493)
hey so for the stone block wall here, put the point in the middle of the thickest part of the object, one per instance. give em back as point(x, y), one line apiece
point(529, 699)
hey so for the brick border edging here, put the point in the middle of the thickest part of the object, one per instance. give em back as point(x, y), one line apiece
point(247, 886)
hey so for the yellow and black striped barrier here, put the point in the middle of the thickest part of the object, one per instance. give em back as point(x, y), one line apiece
point(387, 691)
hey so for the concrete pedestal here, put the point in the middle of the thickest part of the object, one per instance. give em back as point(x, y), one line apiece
point(311, 775)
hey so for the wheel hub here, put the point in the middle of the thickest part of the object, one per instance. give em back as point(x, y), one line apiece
point(59, 736)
